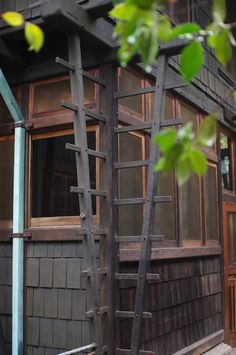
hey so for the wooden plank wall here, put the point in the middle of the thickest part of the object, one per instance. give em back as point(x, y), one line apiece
point(186, 304)
point(55, 297)
point(15, 5)
point(5, 291)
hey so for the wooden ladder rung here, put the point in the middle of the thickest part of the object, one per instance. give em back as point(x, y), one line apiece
point(140, 127)
point(130, 314)
point(129, 352)
point(122, 276)
point(103, 351)
point(138, 238)
point(99, 271)
point(100, 310)
point(65, 63)
point(99, 232)
point(93, 78)
point(80, 190)
point(131, 164)
point(77, 148)
point(171, 122)
point(162, 199)
point(121, 95)
point(129, 201)
point(69, 106)
point(96, 116)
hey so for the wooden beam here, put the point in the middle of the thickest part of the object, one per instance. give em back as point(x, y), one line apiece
point(94, 32)
point(98, 8)
point(203, 345)
point(9, 54)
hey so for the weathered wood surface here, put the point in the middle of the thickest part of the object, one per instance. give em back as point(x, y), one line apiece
point(186, 304)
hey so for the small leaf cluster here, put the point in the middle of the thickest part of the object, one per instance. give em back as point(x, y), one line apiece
point(33, 33)
point(182, 149)
point(141, 27)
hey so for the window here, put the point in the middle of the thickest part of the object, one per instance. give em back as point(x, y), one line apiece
point(45, 108)
point(136, 106)
point(192, 218)
point(179, 11)
point(226, 161)
point(131, 183)
point(6, 180)
point(52, 168)
point(53, 172)
point(211, 203)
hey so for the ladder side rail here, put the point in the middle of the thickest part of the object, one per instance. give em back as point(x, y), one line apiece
point(83, 177)
point(152, 177)
point(107, 216)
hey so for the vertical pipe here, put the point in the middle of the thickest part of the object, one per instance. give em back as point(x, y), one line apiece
point(18, 243)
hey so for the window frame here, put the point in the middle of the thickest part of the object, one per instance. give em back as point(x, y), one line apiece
point(61, 116)
point(232, 141)
point(8, 224)
point(126, 114)
point(57, 221)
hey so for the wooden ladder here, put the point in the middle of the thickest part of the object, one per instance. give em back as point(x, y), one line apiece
point(92, 273)
point(148, 202)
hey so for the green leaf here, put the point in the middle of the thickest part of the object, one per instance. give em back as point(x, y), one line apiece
point(198, 162)
point(144, 4)
point(185, 28)
point(234, 94)
point(207, 131)
point(223, 48)
point(219, 10)
point(164, 28)
point(166, 139)
point(183, 169)
point(34, 36)
point(123, 11)
point(191, 60)
point(13, 18)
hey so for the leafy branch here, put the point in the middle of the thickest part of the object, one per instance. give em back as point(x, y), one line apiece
point(141, 27)
point(33, 33)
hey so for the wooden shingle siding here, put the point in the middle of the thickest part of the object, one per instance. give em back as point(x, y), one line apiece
point(55, 297)
point(186, 304)
point(5, 291)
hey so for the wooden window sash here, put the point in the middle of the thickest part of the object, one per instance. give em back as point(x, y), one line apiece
point(60, 111)
point(70, 221)
point(8, 223)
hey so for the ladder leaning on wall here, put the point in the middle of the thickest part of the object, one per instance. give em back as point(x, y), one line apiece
point(96, 312)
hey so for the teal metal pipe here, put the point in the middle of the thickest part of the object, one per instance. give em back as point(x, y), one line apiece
point(9, 99)
point(18, 243)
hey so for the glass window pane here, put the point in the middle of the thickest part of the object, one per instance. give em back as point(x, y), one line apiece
point(212, 224)
point(5, 116)
point(180, 11)
point(130, 184)
point(164, 220)
point(129, 81)
point(231, 224)
point(47, 96)
point(226, 166)
point(53, 172)
point(191, 220)
point(6, 179)
point(188, 114)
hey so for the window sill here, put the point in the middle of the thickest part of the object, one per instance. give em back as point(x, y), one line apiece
point(170, 253)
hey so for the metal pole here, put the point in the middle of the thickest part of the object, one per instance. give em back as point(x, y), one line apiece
point(18, 243)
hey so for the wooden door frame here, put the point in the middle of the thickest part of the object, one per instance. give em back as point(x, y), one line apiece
point(229, 336)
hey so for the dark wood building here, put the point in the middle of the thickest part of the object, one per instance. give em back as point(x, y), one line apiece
point(83, 275)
